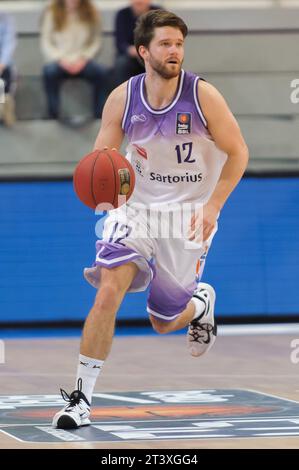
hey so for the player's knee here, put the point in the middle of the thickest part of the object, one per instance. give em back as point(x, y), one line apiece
point(159, 326)
point(108, 297)
point(114, 284)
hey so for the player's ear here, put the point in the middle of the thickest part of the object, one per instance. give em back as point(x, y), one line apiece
point(142, 51)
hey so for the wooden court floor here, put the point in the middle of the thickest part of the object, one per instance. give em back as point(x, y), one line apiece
point(156, 363)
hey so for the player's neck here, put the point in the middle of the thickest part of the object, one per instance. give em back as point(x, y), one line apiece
point(159, 91)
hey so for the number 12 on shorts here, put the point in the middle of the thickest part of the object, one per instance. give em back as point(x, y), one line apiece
point(118, 229)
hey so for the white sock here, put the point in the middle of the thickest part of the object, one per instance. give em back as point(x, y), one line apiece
point(88, 370)
point(199, 307)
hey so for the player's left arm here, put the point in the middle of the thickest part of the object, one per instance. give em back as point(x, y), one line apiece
point(227, 135)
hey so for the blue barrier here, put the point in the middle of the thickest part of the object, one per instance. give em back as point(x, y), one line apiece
point(47, 237)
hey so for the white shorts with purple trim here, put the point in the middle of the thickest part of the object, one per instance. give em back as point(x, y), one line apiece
point(168, 266)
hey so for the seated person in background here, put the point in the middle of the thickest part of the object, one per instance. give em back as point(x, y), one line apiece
point(70, 40)
point(7, 48)
point(127, 63)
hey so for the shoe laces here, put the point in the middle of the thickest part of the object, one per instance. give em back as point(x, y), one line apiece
point(75, 397)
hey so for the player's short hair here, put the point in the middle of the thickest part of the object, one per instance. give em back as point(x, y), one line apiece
point(147, 23)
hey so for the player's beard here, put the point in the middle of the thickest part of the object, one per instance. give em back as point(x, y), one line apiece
point(166, 71)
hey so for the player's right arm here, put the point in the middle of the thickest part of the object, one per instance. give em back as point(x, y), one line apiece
point(111, 133)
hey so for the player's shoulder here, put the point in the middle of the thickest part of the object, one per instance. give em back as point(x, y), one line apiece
point(206, 89)
point(208, 95)
point(118, 96)
point(115, 104)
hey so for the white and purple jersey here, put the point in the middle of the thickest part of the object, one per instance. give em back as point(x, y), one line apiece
point(172, 152)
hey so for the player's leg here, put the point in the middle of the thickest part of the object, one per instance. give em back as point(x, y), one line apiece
point(99, 326)
point(95, 344)
point(122, 264)
point(176, 301)
point(199, 316)
point(180, 322)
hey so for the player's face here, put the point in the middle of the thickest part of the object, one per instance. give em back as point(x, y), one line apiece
point(165, 54)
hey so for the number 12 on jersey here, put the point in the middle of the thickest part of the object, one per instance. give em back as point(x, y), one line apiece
point(184, 151)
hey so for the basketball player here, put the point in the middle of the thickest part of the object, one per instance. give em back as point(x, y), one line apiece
point(186, 146)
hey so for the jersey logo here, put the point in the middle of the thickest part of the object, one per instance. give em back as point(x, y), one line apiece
point(183, 123)
point(141, 151)
point(138, 118)
point(139, 167)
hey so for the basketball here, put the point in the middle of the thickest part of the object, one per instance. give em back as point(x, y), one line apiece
point(104, 177)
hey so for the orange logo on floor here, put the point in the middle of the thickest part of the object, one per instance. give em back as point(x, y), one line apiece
point(158, 411)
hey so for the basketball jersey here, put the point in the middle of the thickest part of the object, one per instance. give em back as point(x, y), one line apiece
point(171, 150)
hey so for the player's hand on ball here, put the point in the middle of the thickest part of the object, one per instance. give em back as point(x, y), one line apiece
point(203, 223)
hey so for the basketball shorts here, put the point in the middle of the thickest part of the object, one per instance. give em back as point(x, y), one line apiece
point(168, 265)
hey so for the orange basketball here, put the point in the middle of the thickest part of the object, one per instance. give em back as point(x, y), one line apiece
point(104, 177)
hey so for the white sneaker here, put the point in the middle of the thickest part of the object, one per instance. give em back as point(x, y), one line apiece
point(202, 331)
point(76, 413)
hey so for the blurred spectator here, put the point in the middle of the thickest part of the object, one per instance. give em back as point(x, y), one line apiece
point(70, 40)
point(7, 48)
point(127, 63)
